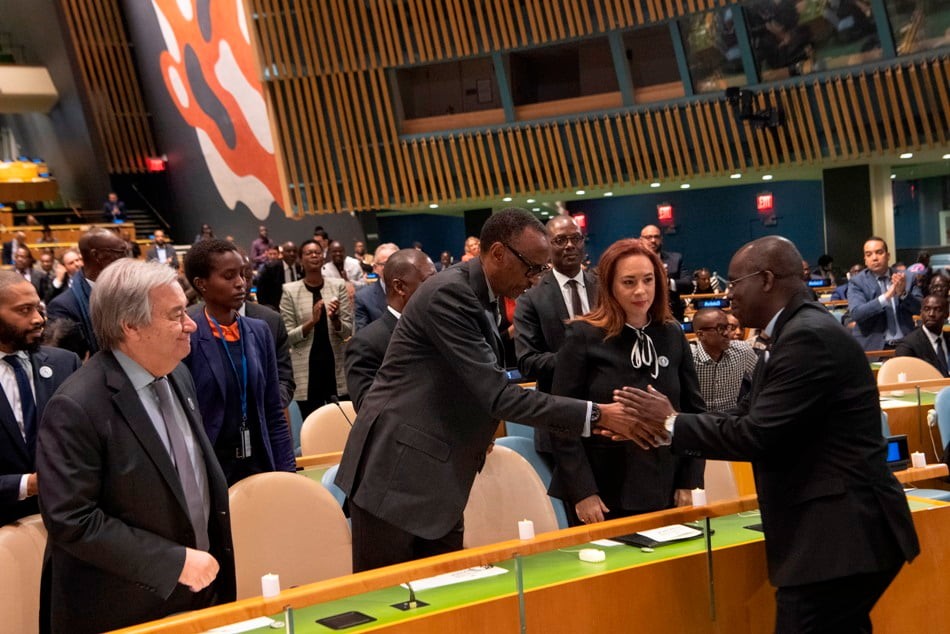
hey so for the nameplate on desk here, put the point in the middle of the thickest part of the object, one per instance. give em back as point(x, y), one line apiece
point(719, 302)
point(817, 283)
point(459, 576)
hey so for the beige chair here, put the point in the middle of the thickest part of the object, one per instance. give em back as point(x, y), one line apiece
point(506, 491)
point(326, 429)
point(720, 481)
point(914, 368)
point(289, 525)
point(21, 565)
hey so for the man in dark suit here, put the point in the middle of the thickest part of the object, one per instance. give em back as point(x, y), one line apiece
point(563, 293)
point(162, 251)
point(23, 265)
point(9, 248)
point(928, 342)
point(680, 280)
point(424, 427)
point(836, 521)
point(28, 366)
point(880, 301)
point(69, 312)
point(276, 273)
point(371, 299)
point(405, 270)
point(134, 501)
point(113, 210)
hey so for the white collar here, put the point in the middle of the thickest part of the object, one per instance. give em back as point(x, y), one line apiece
point(394, 312)
point(771, 325)
point(563, 279)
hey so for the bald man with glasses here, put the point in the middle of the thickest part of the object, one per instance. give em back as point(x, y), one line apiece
point(721, 363)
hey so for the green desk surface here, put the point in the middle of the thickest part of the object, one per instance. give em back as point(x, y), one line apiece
point(910, 396)
point(540, 570)
point(314, 474)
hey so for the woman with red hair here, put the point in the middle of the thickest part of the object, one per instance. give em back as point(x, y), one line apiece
point(629, 339)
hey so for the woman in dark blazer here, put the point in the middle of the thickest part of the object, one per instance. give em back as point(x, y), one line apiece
point(629, 339)
point(250, 434)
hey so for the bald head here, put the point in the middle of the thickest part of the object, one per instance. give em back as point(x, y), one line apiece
point(764, 275)
point(100, 248)
point(404, 272)
point(706, 317)
point(652, 235)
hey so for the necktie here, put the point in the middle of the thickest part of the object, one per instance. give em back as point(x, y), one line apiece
point(175, 425)
point(576, 305)
point(941, 356)
point(27, 404)
point(893, 331)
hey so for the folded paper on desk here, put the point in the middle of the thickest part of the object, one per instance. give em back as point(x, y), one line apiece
point(459, 576)
point(661, 536)
point(243, 626)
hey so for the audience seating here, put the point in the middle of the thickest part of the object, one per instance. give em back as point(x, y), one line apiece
point(327, 481)
point(326, 429)
point(517, 429)
point(942, 407)
point(915, 369)
point(525, 448)
point(296, 423)
point(506, 491)
point(720, 481)
point(21, 564)
point(288, 525)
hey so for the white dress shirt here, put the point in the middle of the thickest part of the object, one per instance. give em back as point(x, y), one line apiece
point(562, 282)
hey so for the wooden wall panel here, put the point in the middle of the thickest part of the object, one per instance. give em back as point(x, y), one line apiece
point(109, 78)
point(339, 128)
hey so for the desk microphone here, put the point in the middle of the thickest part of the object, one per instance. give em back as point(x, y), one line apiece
point(336, 401)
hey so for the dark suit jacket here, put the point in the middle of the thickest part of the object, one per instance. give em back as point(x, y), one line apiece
point(8, 252)
point(870, 322)
point(364, 356)
point(811, 427)
point(16, 456)
point(917, 344)
point(540, 318)
point(45, 288)
point(264, 392)
point(270, 283)
point(285, 367)
point(626, 477)
point(370, 304)
point(114, 507)
point(66, 310)
point(152, 254)
point(423, 429)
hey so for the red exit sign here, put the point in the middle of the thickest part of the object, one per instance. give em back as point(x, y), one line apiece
point(664, 213)
point(764, 202)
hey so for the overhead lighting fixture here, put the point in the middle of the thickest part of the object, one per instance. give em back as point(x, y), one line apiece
point(767, 177)
point(907, 155)
point(735, 176)
point(609, 194)
point(531, 200)
point(535, 209)
point(506, 199)
point(946, 157)
point(893, 176)
point(654, 185)
point(580, 192)
point(684, 186)
point(433, 205)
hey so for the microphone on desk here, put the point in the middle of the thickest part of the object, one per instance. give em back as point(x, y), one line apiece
point(336, 401)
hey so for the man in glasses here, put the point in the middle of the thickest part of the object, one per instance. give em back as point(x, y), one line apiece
point(426, 423)
point(563, 293)
point(836, 521)
point(69, 311)
point(721, 363)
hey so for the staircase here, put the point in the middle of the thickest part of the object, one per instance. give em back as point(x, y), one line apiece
point(146, 223)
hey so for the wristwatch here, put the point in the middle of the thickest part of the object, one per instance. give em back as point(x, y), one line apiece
point(594, 414)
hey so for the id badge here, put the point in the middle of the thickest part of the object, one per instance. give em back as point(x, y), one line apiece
point(244, 446)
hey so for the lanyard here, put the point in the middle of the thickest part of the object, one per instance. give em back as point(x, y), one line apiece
point(242, 376)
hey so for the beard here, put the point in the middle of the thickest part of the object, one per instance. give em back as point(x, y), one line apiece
point(19, 339)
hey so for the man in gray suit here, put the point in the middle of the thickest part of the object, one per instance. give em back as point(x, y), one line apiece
point(132, 495)
point(423, 429)
point(563, 293)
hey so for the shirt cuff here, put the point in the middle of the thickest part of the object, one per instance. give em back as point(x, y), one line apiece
point(24, 480)
point(881, 300)
point(590, 409)
point(57, 283)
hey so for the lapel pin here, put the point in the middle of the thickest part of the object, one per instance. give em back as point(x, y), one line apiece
point(46, 371)
point(191, 405)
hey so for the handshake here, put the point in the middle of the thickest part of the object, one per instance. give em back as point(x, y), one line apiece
point(636, 415)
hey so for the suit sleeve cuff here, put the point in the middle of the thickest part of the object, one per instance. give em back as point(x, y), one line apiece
point(24, 480)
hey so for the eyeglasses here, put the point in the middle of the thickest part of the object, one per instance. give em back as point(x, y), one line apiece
point(561, 241)
point(722, 329)
point(733, 283)
point(534, 270)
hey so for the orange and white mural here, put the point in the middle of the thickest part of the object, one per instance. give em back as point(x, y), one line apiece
point(210, 74)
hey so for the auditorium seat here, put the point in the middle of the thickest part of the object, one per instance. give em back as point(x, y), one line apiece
point(506, 491)
point(288, 525)
point(326, 429)
point(21, 563)
point(525, 448)
point(720, 481)
point(914, 368)
point(942, 407)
